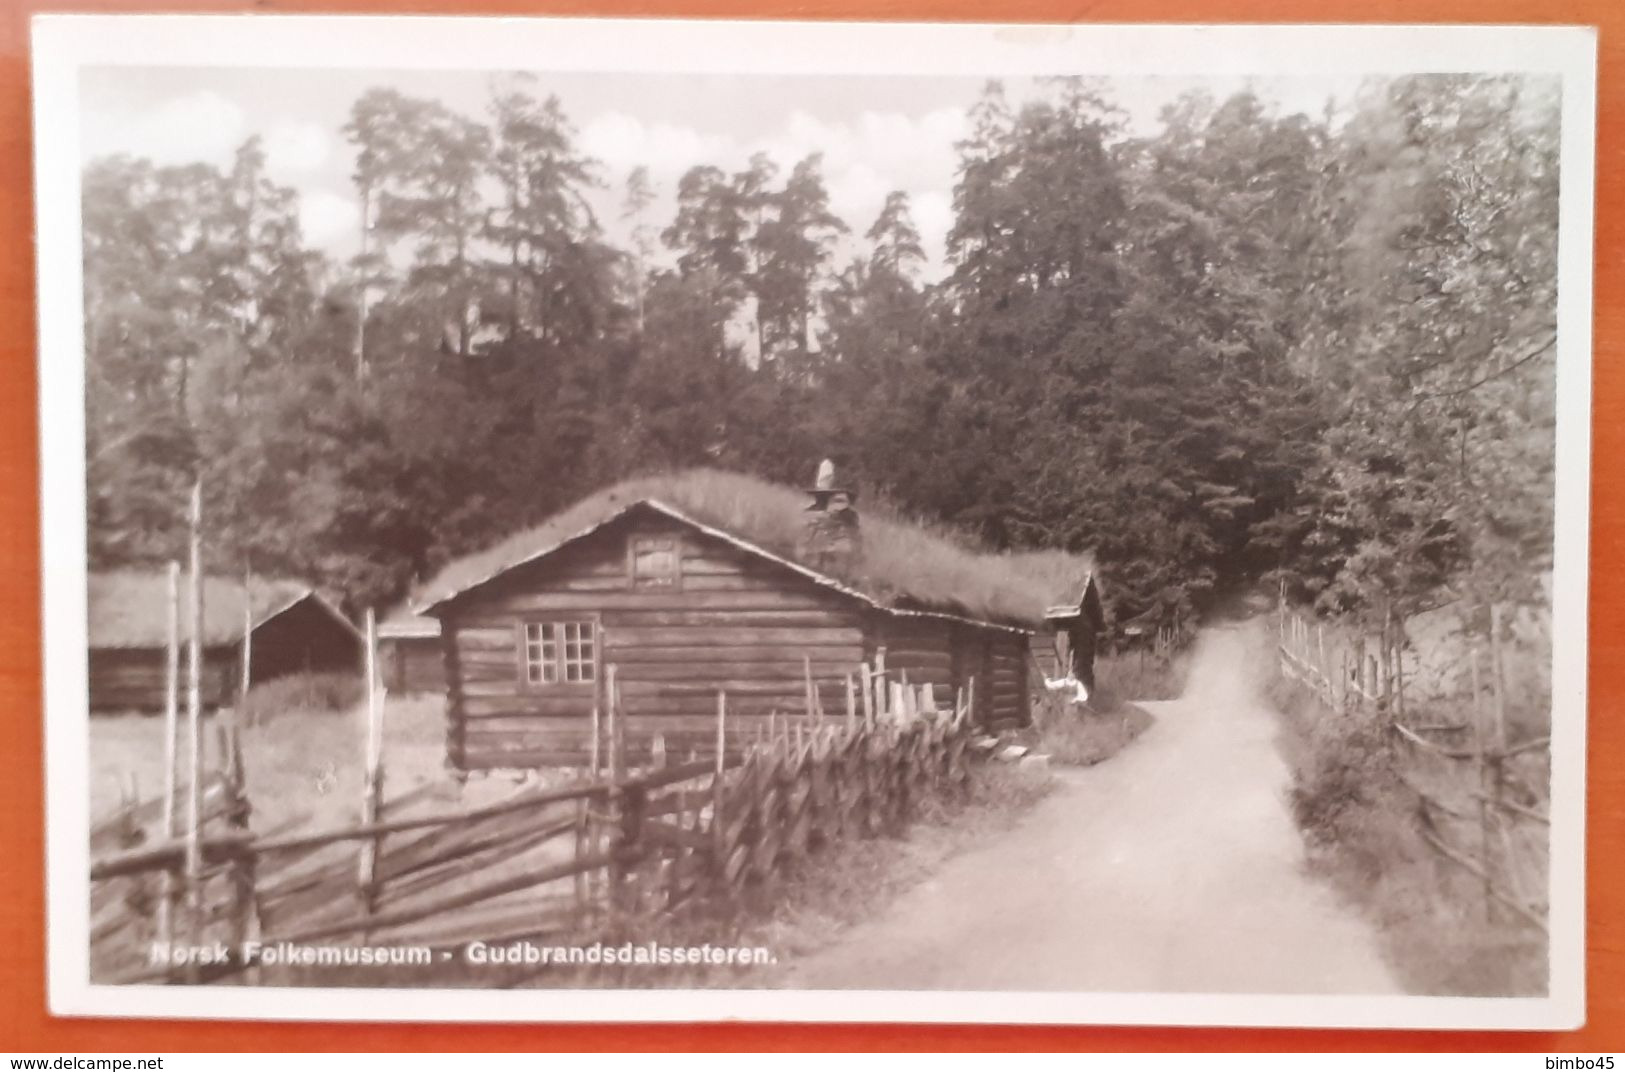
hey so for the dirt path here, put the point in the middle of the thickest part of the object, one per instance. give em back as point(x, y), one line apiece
point(1171, 867)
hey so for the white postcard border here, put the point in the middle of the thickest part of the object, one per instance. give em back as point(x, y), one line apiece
point(65, 44)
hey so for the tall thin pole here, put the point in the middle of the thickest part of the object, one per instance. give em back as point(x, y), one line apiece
point(1498, 681)
point(194, 723)
point(172, 690)
point(1481, 741)
point(361, 300)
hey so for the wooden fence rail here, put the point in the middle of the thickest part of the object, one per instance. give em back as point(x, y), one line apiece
point(606, 850)
point(1356, 674)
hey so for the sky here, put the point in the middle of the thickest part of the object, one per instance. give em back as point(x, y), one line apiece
point(877, 133)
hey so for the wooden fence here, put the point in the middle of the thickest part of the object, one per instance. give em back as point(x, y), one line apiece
point(1482, 796)
point(598, 854)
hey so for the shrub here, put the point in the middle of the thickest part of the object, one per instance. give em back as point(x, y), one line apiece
point(1361, 829)
point(1084, 734)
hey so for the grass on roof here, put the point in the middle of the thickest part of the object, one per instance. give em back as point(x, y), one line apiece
point(904, 562)
point(129, 608)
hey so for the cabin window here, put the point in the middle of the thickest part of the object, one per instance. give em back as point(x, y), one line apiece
point(655, 562)
point(560, 651)
point(541, 653)
point(578, 651)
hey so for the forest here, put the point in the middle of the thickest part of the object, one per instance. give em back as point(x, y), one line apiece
point(1249, 347)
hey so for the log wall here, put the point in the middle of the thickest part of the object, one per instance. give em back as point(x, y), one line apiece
point(302, 639)
point(133, 679)
point(1009, 686)
point(923, 650)
point(413, 665)
point(731, 622)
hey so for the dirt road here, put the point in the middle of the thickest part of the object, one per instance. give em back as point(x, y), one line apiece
point(1173, 866)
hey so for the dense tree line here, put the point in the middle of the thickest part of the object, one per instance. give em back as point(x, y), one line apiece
point(1317, 350)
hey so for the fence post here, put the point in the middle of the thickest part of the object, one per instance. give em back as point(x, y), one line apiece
point(1480, 740)
point(1498, 743)
point(1388, 658)
point(1399, 671)
point(807, 680)
point(194, 723)
point(244, 679)
point(244, 866)
point(172, 680)
point(586, 843)
point(1321, 668)
point(881, 695)
point(1499, 681)
point(618, 800)
point(719, 827)
point(371, 771)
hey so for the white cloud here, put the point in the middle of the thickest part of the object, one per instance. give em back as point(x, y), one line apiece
point(856, 193)
point(623, 142)
point(294, 149)
point(328, 219)
point(875, 153)
point(204, 126)
point(904, 148)
point(934, 216)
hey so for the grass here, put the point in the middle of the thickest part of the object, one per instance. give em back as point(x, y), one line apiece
point(903, 559)
point(1141, 676)
point(316, 693)
point(1360, 826)
point(303, 767)
point(301, 763)
point(863, 876)
point(1081, 735)
point(840, 885)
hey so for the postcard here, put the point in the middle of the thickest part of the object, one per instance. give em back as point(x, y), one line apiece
point(625, 520)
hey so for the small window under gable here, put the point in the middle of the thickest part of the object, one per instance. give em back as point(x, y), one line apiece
point(656, 562)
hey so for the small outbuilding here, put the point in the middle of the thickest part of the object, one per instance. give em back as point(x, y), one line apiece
point(1065, 647)
point(704, 582)
point(293, 629)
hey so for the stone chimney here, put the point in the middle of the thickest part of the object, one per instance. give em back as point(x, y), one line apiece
point(831, 542)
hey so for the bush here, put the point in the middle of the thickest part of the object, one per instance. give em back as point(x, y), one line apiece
point(1361, 829)
point(335, 692)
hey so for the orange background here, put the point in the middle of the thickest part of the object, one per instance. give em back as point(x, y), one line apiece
point(26, 1026)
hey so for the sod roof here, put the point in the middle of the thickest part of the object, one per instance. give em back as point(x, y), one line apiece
point(130, 608)
point(905, 564)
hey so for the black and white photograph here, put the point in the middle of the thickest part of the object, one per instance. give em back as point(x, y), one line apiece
point(578, 519)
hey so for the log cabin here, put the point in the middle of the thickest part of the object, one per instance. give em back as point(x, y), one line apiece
point(293, 630)
point(704, 582)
